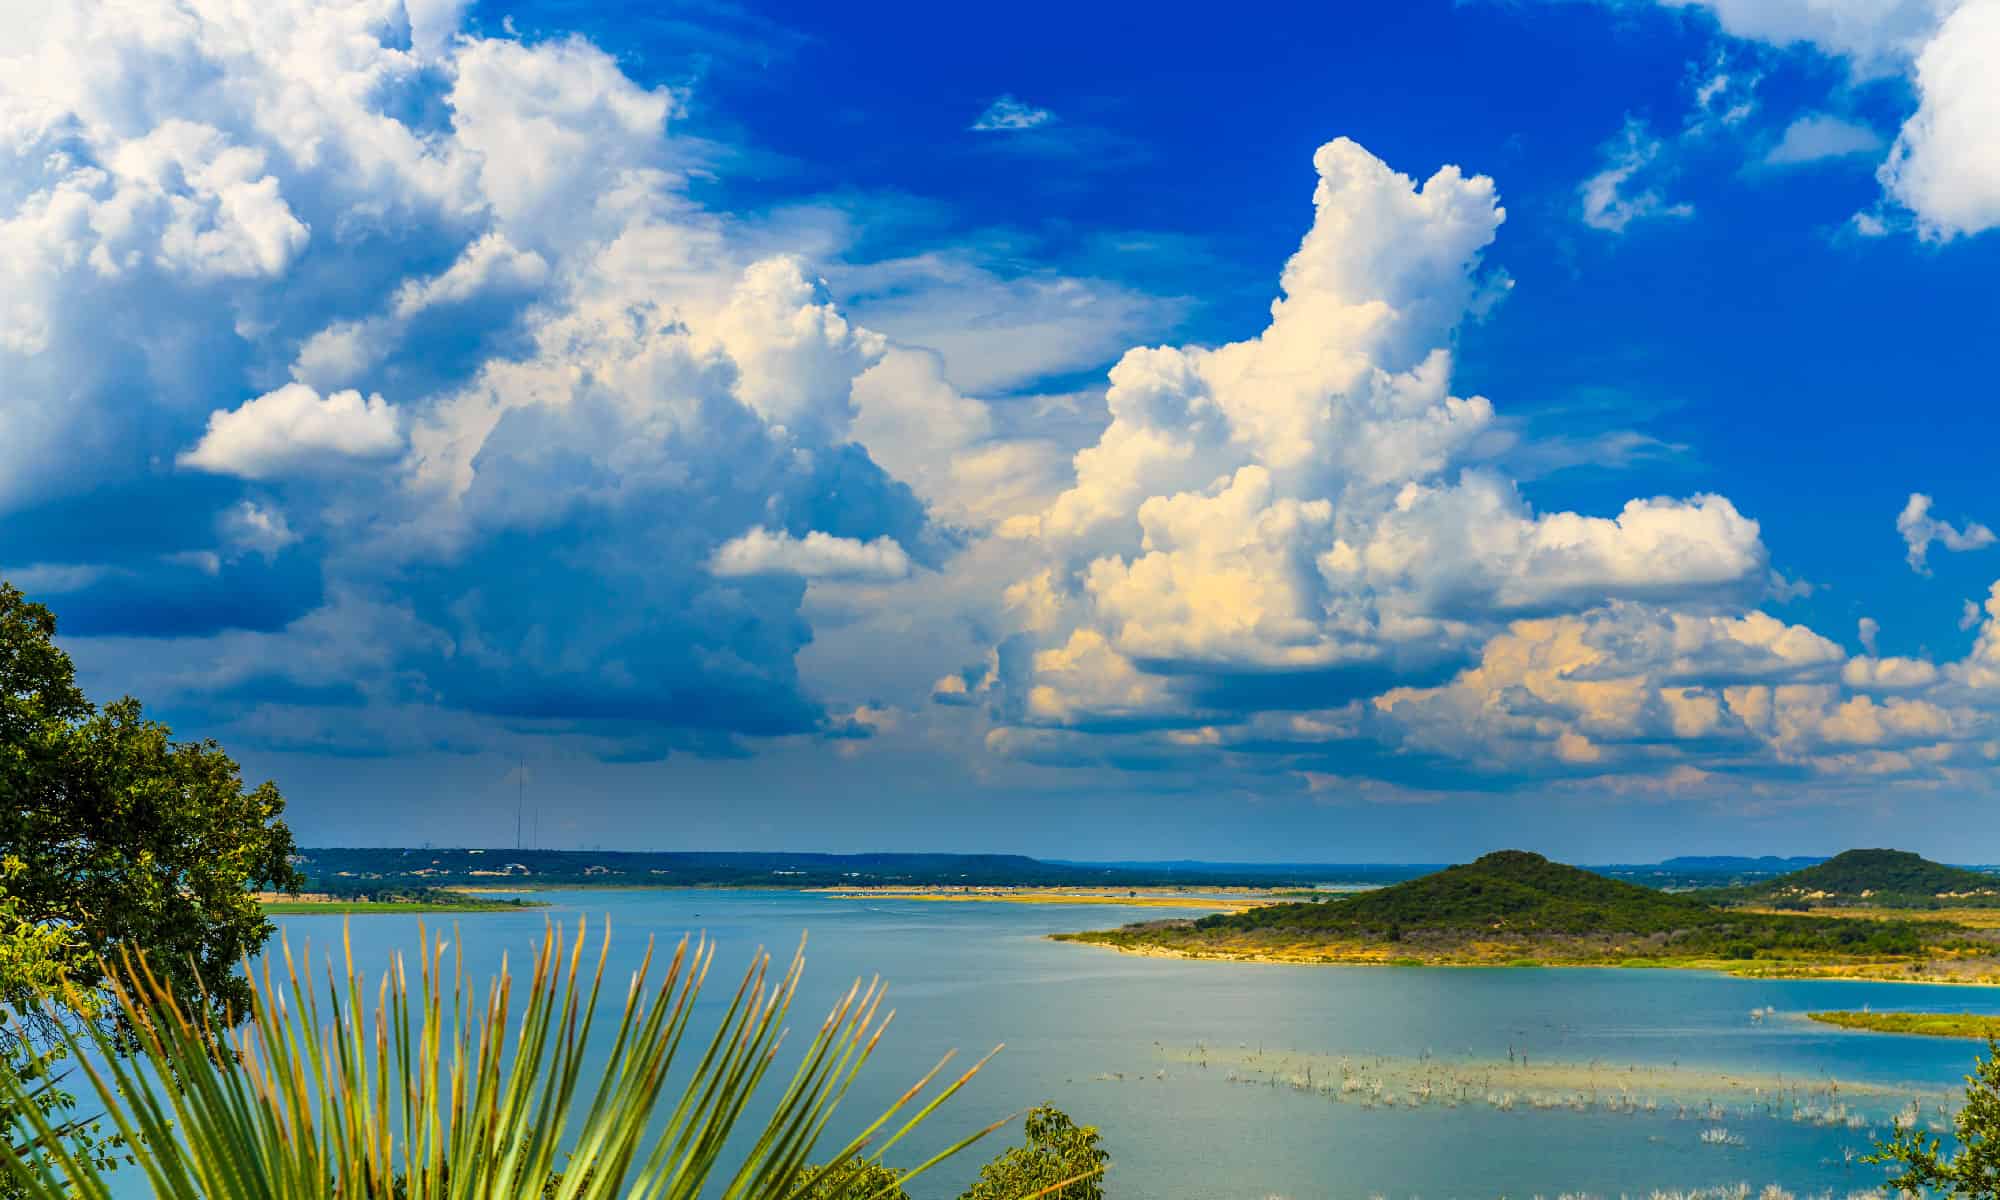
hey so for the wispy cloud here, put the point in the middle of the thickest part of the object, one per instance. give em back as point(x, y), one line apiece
point(1009, 115)
point(1816, 137)
point(1617, 196)
point(1920, 529)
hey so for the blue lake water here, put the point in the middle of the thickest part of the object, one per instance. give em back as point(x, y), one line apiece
point(1107, 1037)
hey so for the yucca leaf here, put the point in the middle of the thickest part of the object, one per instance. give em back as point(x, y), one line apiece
point(427, 1089)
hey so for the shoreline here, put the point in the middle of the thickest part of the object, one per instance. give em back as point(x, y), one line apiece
point(314, 904)
point(1211, 899)
point(1217, 899)
point(1848, 972)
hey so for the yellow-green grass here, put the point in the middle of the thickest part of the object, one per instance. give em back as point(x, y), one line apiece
point(1958, 1025)
point(1937, 965)
point(1970, 918)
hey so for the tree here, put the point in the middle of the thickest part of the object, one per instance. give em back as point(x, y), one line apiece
point(1059, 1151)
point(1974, 1171)
point(857, 1177)
point(31, 958)
point(120, 839)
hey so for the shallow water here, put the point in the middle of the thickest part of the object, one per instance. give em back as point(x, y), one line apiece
point(1112, 1039)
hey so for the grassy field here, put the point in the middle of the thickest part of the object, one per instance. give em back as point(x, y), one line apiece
point(1968, 918)
point(1957, 1025)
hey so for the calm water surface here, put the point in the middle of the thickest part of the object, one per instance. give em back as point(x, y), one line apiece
point(1101, 1035)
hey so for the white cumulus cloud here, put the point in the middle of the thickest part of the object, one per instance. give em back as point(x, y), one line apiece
point(1944, 167)
point(817, 555)
point(1309, 501)
point(295, 429)
point(1920, 530)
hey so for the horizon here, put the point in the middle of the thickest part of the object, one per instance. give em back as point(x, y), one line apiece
point(1371, 437)
point(1219, 864)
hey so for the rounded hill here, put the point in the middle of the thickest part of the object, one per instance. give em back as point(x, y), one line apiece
point(1892, 878)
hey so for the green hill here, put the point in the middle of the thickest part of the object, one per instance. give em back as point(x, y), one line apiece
point(1513, 905)
point(1885, 878)
point(1509, 891)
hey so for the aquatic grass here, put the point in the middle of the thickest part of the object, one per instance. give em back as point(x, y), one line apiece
point(1656, 1092)
point(1923, 1024)
point(432, 1099)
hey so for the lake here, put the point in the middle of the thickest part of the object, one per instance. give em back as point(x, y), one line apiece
point(1250, 1081)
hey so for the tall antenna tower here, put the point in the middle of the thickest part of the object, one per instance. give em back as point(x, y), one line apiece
point(520, 796)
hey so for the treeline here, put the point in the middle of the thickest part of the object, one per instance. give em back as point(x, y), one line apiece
point(338, 867)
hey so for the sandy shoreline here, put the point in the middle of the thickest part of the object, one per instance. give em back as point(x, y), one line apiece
point(1328, 956)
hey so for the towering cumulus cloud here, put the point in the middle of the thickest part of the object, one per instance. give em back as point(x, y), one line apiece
point(414, 337)
point(372, 384)
point(1290, 550)
point(1302, 503)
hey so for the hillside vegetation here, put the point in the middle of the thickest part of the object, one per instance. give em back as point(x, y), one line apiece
point(1871, 878)
point(1516, 906)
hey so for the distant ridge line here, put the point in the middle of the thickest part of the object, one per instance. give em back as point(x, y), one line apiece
point(353, 866)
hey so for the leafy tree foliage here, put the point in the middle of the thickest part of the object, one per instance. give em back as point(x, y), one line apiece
point(1973, 1172)
point(112, 838)
point(1058, 1151)
point(115, 837)
point(856, 1177)
point(31, 958)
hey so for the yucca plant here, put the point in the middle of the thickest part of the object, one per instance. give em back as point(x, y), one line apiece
point(432, 1100)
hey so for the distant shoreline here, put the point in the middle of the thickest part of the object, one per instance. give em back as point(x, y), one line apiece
point(1217, 899)
point(1232, 899)
point(313, 904)
point(1897, 971)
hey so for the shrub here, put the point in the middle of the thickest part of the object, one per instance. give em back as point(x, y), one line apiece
point(435, 1097)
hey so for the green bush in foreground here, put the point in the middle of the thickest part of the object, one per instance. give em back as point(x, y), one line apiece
point(435, 1096)
point(1062, 1160)
point(1973, 1172)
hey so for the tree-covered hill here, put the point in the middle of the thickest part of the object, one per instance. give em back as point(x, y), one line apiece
point(1884, 878)
point(1516, 904)
point(1508, 891)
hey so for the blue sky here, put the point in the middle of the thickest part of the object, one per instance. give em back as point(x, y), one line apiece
point(792, 426)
